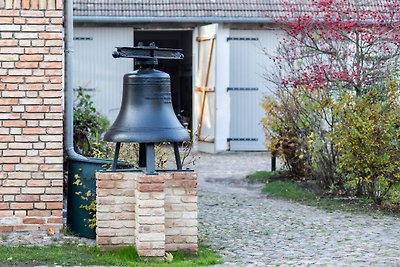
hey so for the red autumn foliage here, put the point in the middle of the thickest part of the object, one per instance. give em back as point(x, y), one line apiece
point(336, 44)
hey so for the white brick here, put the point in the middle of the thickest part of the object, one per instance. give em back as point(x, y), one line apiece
point(151, 237)
point(9, 28)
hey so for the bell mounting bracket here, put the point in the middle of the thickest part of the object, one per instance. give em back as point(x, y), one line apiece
point(142, 52)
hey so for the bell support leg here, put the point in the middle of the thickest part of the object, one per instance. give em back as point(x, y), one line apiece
point(116, 154)
point(177, 156)
point(142, 155)
point(150, 156)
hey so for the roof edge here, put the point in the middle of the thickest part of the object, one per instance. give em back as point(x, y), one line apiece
point(121, 19)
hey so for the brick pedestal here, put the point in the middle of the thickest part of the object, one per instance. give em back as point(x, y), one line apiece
point(155, 213)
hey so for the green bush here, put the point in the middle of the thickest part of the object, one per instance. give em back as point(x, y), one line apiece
point(285, 133)
point(297, 124)
point(88, 125)
point(367, 137)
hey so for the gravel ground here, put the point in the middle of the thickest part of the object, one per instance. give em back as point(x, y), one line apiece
point(41, 239)
point(249, 229)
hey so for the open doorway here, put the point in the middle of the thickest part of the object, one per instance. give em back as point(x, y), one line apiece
point(179, 71)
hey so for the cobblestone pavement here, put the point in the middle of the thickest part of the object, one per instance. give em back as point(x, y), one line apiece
point(250, 229)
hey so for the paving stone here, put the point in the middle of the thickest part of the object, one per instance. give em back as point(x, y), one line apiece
point(248, 228)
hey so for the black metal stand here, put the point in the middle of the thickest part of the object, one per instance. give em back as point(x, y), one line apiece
point(147, 157)
point(177, 156)
point(116, 154)
point(150, 156)
point(142, 155)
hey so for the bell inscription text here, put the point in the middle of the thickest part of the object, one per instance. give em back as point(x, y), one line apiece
point(165, 97)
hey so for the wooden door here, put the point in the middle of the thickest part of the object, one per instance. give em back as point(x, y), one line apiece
point(205, 84)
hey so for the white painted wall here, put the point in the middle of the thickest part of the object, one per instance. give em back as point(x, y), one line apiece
point(95, 69)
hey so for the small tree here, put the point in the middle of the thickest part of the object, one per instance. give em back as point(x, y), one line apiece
point(338, 44)
point(331, 46)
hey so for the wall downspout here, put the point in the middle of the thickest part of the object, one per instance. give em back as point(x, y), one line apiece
point(72, 156)
point(78, 166)
point(69, 90)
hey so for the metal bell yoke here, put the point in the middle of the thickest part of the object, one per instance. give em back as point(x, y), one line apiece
point(146, 115)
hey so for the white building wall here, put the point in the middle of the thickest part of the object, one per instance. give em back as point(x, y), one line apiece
point(96, 70)
point(230, 114)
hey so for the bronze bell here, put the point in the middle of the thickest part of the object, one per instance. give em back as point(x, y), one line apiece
point(146, 115)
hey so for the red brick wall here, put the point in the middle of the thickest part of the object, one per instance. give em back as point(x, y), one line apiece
point(31, 114)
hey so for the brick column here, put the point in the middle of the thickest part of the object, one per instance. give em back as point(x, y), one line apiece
point(115, 209)
point(165, 211)
point(31, 115)
point(150, 215)
point(181, 212)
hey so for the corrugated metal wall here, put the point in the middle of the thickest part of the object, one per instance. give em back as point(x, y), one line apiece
point(248, 86)
point(96, 70)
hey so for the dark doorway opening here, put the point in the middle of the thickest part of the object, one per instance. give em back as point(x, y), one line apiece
point(179, 71)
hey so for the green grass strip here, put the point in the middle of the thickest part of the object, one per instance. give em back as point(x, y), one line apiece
point(260, 176)
point(289, 191)
point(71, 254)
point(294, 191)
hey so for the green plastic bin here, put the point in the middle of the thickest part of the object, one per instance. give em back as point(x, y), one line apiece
point(77, 217)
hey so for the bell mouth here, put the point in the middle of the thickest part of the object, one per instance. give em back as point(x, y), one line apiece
point(147, 135)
